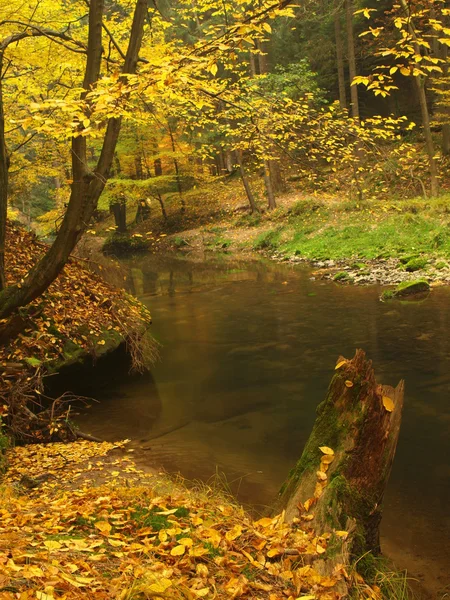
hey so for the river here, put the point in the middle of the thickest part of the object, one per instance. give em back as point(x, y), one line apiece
point(247, 352)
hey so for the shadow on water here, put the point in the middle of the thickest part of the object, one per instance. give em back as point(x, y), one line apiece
point(248, 350)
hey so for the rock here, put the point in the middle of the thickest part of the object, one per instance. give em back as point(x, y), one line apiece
point(407, 288)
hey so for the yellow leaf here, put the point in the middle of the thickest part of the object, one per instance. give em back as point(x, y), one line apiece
point(44, 596)
point(388, 403)
point(349, 383)
point(326, 450)
point(321, 475)
point(264, 522)
point(267, 27)
point(320, 549)
point(273, 552)
point(115, 543)
point(162, 535)
point(160, 586)
point(178, 550)
point(342, 534)
point(104, 527)
point(340, 364)
point(52, 545)
point(233, 533)
point(201, 593)
point(186, 542)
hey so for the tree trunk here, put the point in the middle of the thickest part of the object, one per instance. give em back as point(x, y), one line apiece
point(176, 167)
point(119, 210)
point(420, 86)
point(87, 186)
point(351, 59)
point(339, 54)
point(3, 182)
point(245, 181)
point(161, 203)
point(429, 144)
point(339, 482)
point(158, 167)
point(268, 183)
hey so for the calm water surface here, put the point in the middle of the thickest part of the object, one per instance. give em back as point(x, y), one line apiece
point(248, 350)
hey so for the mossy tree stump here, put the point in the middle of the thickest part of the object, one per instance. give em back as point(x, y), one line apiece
point(339, 482)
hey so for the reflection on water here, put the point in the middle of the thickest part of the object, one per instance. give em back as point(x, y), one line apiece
point(247, 354)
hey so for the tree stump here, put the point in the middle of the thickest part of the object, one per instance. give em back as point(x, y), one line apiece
point(338, 484)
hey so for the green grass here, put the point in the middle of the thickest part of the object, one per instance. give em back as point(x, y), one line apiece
point(361, 236)
point(378, 571)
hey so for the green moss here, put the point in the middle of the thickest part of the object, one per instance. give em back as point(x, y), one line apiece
point(416, 264)
point(441, 265)
point(407, 288)
point(342, 276)
point(387, 295)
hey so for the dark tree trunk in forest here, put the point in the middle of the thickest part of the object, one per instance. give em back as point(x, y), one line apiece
point(351, 59)
point(158, 167)
point(119, 210)
point(87, 186)
point(339, 54)
point(339, 482)
point(245, 181)
point(3, 181)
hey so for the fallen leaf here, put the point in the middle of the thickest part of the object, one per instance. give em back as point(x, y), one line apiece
point(178, 550)
point(340, 364)
point(348, 383)
point(326, 450)
point(388, 403)
point(104, 527)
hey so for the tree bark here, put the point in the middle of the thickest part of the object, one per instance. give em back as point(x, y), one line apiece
point(420, 86)
point(271, 202)
point(339, 54)
point(351, 59)
point(87, 186)
point(176, 167)
point(339, 482)
point(3, 182)
point(245, 181)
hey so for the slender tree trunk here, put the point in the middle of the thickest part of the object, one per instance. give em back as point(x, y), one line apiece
point(444, 110)
point(420, 86)
point(245, 181)
point(268, 182)
point(351, 58)
point(272, 175)
point(434, 182)
point(161, 204)
point(339, 54)
point(176, 167)
point(3, 182)
point(87, 186)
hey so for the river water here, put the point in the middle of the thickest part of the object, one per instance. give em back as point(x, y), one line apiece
point(247, 352)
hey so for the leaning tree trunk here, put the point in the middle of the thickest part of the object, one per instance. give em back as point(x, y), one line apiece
point(3, 182)
point(87, 186)
point(339, 54)
point(338, 484)
point(349, 9)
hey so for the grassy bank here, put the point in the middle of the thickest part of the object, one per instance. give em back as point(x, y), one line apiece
point(81, 521)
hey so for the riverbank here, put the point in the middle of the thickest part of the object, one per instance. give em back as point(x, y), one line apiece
point(80, 520)
point(79, 318)
point(377, 241)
